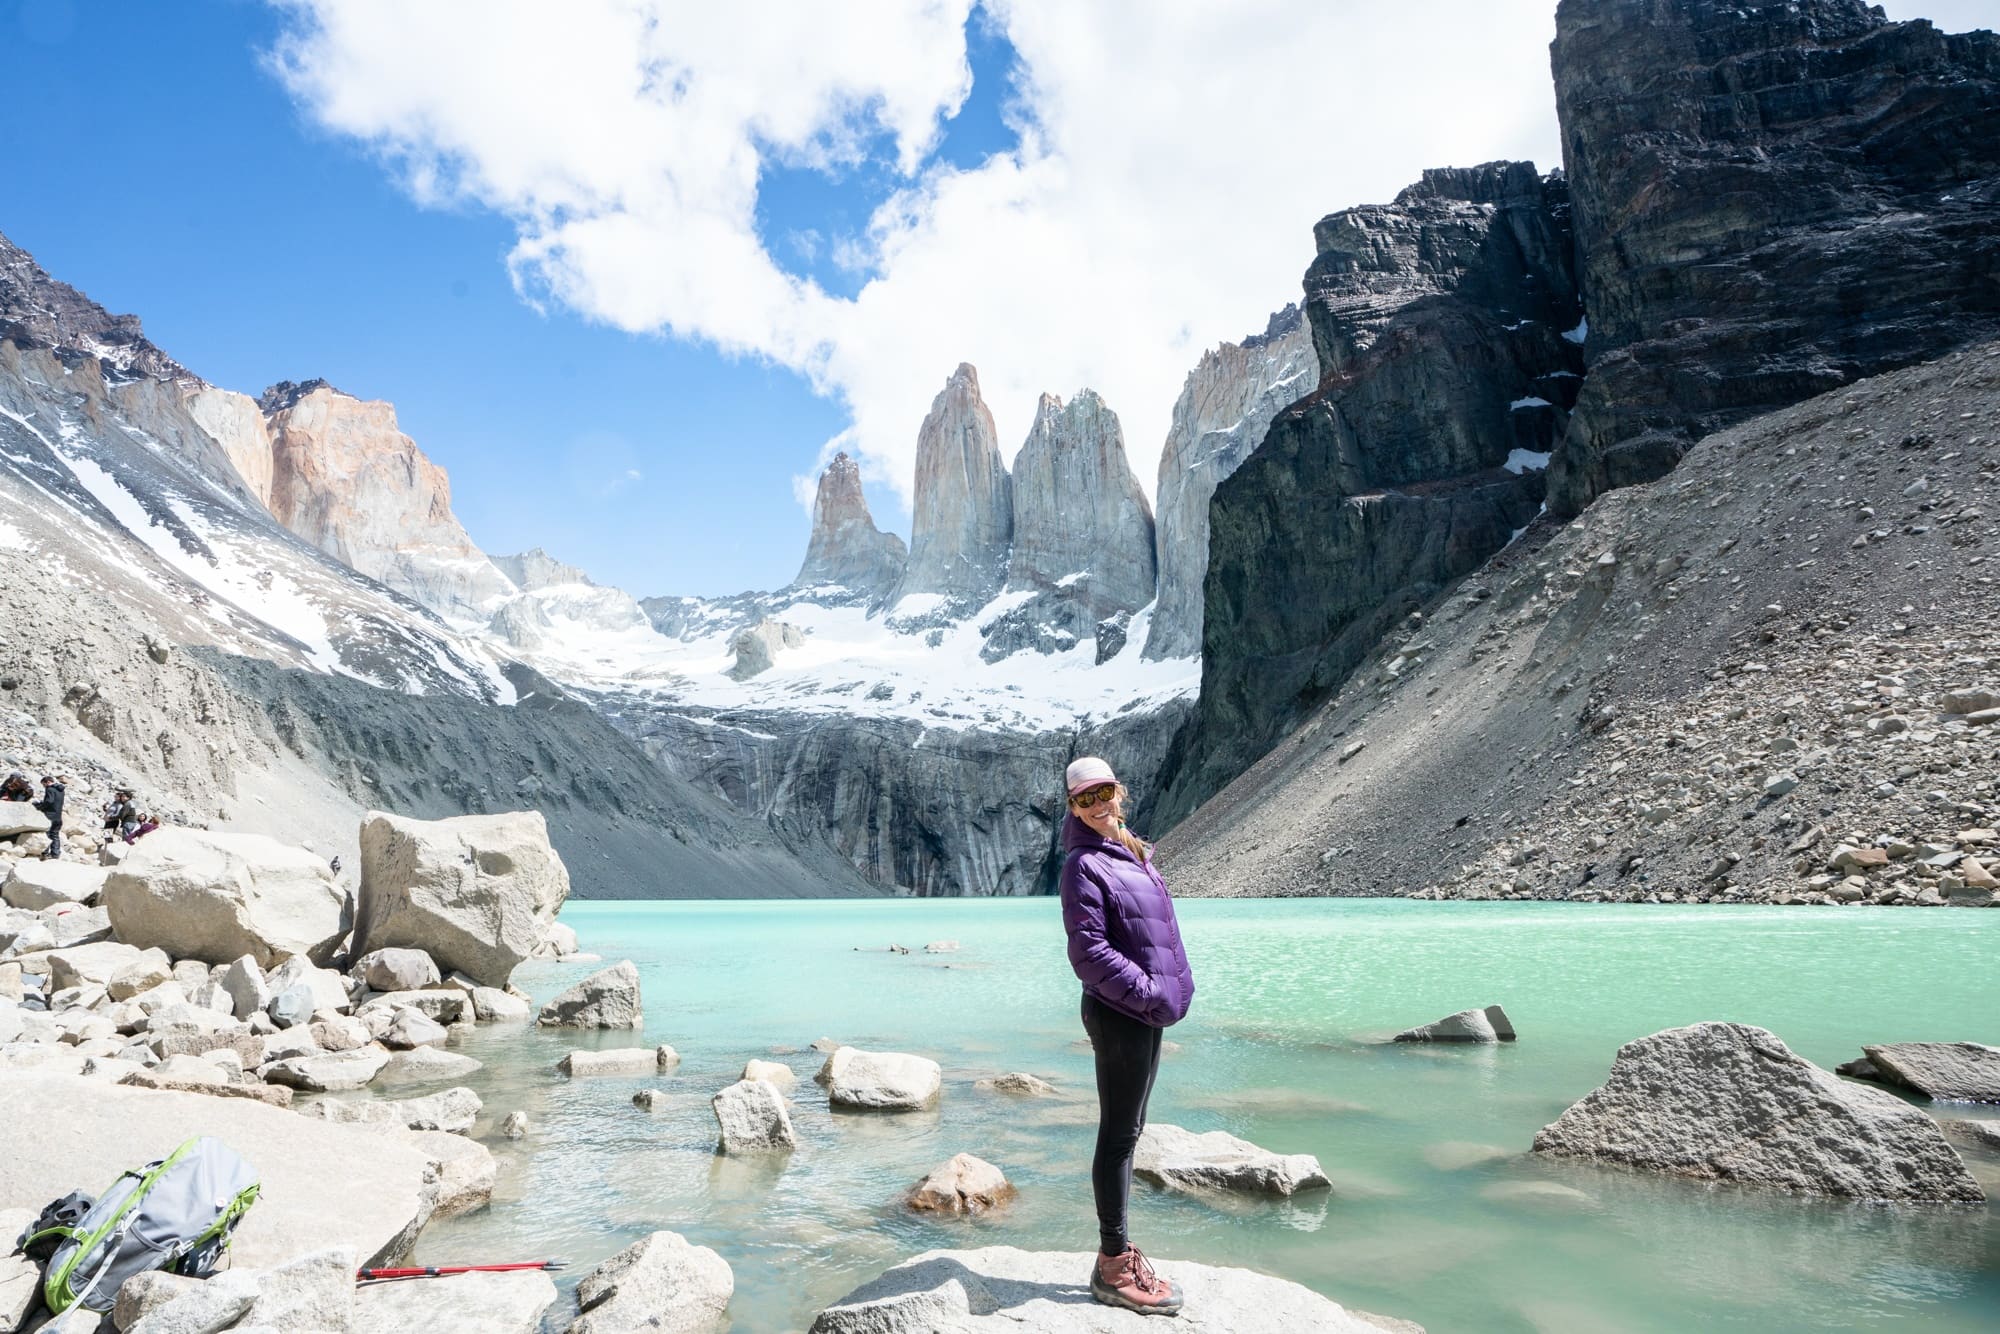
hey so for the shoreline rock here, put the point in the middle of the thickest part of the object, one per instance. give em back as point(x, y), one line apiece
point(1217, 1161)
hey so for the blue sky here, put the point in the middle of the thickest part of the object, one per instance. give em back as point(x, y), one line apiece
point(1124, 184)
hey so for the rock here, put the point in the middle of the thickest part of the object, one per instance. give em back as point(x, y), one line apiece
point(1847, 858)
point(333, 1073)
point(1079, 511)
point(558, 941)
point(77, 926)
point(756, 647)
point(1217, 1161)
point(323, 1185)
point(962, 522)
point(515, 1126)
point(1941, 1071)
point(426, 1065)
point(244, 982)
point(1536, 1194)
point(1649, 160)
point(1971, 700)
point(491, 1005)
point(461, 1172)
point(453, 1111)
point(21, 817)
point(752, 1117)
point(476, 1303)
point(91, 965)
point(200, 894)
point(606, 999)
point(1458, 1155)
point(145, 1292)
point(313, 1292)
point(397, 970)
point(964, 1185)
point(1487, 1025)
point(1222, 414)
point(150, 971)
point(1728, 1102)
point(20, 1277)
point(1039, 1292)
point(35, 885)
point(774, 1073)
point(661, 1282)
point(1778, 785)
point(217, 1304)
point(619, 1061)
point(881, 1081)
point(443, 1006)
point(340, 1032)
point(846, 549)
point(412, 1028)
point(328, 988)
point(1023, 1084)
point(292, 1007)
point(474, 892)
point(652, 1100)
point(1984, 1134)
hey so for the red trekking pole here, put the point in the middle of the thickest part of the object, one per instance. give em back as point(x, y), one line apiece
point(440, 1271)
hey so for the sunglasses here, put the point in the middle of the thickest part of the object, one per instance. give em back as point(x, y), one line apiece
point(1089, 797)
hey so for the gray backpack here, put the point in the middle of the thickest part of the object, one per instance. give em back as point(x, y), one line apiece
point(175, 1213)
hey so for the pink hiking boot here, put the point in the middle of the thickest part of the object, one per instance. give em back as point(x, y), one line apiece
point(1128, 1280)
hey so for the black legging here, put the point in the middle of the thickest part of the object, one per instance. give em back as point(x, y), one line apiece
point(1128, 1056)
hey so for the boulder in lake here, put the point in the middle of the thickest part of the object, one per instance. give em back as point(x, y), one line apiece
point(775, 1073)
point(881, 1081)
point(1487, 1025)
point(1941, 1071)
point(492, 1005)
point(614, 1061)
point(453, 1111)
point(1000, 1288)
point(964, 1185)
point(475, 892)
point(752, 1117)
point(661, 1282)
point(213, 896)
point(426, 1065)
point(608, 998)
point(1729, 1102)
point(1985, 1134)
point(1027, 1086)
point(1218, 1161)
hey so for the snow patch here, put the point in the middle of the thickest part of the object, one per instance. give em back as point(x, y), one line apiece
point(1520, 403)
point(1580, 332)
point(1525, 460)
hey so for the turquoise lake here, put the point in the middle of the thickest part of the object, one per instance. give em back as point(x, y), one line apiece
point(1285, 1047)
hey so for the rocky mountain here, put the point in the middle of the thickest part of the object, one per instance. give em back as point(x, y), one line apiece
point(846, 550)
point(1771, 199)
point(1081, 523)
point(1223, 411)
point(37, 311)
point(536, 569)
point(1439, 325)
point(963, 511)
point(1772, 675)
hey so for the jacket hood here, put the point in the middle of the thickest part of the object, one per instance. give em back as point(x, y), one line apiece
point(1076, 834)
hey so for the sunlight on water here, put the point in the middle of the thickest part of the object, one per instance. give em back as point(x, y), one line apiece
point(1437, 1215)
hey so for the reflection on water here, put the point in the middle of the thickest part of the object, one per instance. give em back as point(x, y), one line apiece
point(1437, 1213)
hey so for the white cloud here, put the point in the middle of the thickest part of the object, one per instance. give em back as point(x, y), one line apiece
point(1174, 157)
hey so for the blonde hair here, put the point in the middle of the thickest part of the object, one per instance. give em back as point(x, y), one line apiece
point(1132, 842)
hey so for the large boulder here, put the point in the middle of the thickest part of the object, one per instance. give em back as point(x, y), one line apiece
point(397, 969)
point(626, 1061)
point(752, 1118)
point(661, 1282)
point(38, 884)
point(1218, 1161)
point(1488, 1025)
point(21, 817)
point(335, 1072)
point(1000, 1288)
point(323, 1185)
point(608, 998)
point(462, 1172)
point(475, 892)
point(199, 894)
point(881, 1081)
point(1941, 1071)
point(20, 1277)
point(490, 1303)
point(94, 964)
point(964, 1185)
point(1728, 1102)
point(452, 1111)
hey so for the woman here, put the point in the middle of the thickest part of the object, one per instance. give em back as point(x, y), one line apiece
point(1126, 948)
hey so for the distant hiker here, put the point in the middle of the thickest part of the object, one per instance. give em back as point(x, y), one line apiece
point(51, 805)
point(17, 788)
point(1125, 946)
point(121, 817)
point(334, 865)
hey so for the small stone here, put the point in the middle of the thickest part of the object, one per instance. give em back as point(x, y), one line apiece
point(964, 1185)
point(515, 1126)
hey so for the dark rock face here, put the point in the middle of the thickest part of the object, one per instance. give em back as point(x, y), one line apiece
point(962, 519)
point(1773, 199)
point(847, 549)
point(1438, 323)
point(38, 311)
point(1081, 523)
point(285, 394)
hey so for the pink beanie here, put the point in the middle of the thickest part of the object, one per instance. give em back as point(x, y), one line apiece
point(1087, 772)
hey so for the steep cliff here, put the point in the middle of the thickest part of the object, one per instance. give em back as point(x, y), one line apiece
point(38, 311)
point(846, 550)
point(1773, 197)
point(1438, 325)
point(1223, 411)
point(1081, 523)
point(962, 517)
point(535, 569)
point(345, 479)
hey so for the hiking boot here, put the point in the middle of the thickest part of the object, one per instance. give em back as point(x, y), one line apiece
point(1128, 1280)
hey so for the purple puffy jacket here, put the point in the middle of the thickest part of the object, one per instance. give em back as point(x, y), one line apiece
point(1124, 941)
